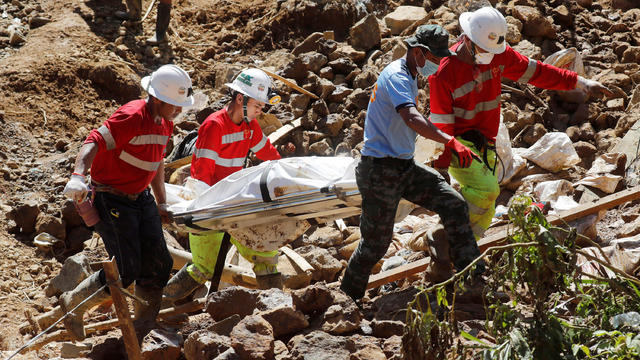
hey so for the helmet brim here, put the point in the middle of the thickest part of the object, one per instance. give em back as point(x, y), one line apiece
point(241, 91)
point(146, 85)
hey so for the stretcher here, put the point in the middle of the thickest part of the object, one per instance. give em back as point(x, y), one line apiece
point(266, 206)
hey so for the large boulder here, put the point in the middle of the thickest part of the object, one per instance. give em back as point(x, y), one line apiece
point(534, 22)
point(253, 338)
point(205, 345)
point(365, 34)
point(403, 17)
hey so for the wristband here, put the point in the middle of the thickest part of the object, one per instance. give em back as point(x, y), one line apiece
point(75, 173)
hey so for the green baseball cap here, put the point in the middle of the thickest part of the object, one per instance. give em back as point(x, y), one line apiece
point(433, 38)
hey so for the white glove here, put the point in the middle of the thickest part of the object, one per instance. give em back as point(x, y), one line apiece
point(592, 87)
point(163, 207)
point(76, 189)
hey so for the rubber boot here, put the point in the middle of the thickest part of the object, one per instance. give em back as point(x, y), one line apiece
point(70, 299)
point(145, 315)
point(162, 24)
point(269, 281)
point(134, 13)
point(179, 286)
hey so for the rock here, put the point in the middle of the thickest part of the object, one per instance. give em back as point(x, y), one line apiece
point(70, 215)
point(16, 38)
point(326, 73)
point(280, 351)
point(52, 225)
point(534, 133)
point(314, 61)
point(343, 316)
point(586, 152)
point(326, 266)
point(393, 306)
point(315, 136)
point(624, 4)
point(585, 3)
point(253, 338)
point(610, 78)
point(295, 69)
point(365, 79)
point(365, 34)
point(366, 348)
point(273, 299)
point(72, 351)
point(318, 345)
point(528, 49)
point(343, 66)
point(299, 103)
point(308, 44)
point(562, 14)
point(232, 300)
point(392, 347)
point(325, 87)
point(285, 320)
point(615, 104)
point(25, 215)
point(387, 328)
point(224, 327)
point(339, 94)
point(205, 345)
point(75, 269)
point(312, 299)
point(606, 140)
point(358, 100)
point(161, 345)
point(403, 17)
point(320, 108)
point(331, 124)
point(321, 148)
point(76, 238)
point(534, 23)
point(587, 133)
point(631, 55)
point(355, 135)
point(347, 51)
point(325, 237)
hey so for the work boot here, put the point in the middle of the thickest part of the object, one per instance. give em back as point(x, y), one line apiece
point(145, 315)
point(162, 24)
point(440, 268)
point(134, 13)
point(70, 299)
point(269, 281)
point(179, 286)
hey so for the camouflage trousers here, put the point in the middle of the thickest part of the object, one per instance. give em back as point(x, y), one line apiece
point(382, 183)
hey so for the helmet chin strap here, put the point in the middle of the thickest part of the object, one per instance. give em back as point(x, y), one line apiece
point(245, 100)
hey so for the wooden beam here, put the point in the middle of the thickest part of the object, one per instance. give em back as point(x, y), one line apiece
point(297, 259)
point(401, 272)
point(581, 211)
point(63, 335)
point(283, 131)
point(122, 310)
point(290, 84)
point(178, 163)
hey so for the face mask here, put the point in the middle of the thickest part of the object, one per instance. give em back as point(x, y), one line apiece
point(428, 68)
point(484, 58)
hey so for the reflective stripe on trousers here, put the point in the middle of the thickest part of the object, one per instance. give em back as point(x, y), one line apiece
point(479, 186)
point(205, 248)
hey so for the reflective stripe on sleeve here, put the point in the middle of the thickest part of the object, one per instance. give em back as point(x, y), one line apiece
point(259, 145)
point(108, 138)
point(468, 87)
point(140, 164)
point(233, 137)
point(442, 118)
point(150, 139)
point(483, 106)
point(212, 155)
point(531, 69)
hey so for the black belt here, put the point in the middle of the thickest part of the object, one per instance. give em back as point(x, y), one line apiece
point(387, 161)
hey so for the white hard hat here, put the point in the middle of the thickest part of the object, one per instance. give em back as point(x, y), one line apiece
point(170, 84)
point(255, 84)
point(486, 27)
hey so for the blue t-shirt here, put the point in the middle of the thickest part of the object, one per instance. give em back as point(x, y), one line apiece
point(385, 133)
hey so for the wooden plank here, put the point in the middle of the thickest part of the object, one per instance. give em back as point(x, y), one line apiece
point(122, 310)
point(297, 259)
point(290, 84)
point(178, 163)
point(401, 272)
point(581, 211)
point(282, 132)
point(63, 335)
point(232, 274)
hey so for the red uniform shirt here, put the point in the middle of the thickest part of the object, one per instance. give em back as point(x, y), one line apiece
point(461, 101)
point(130, 148)
point(222, 147)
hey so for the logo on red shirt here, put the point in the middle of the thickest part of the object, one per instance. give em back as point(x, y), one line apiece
point(247, 134)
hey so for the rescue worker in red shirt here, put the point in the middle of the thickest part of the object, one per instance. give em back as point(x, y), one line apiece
point(224, 141)
point(126, 156)
point(465, 102)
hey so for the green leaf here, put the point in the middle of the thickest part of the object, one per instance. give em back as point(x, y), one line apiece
point(468, 336)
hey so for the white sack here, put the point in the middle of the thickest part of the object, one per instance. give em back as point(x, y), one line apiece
point(554, 152)
point(508, 163)
point(551, 190)
point(605, 182)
